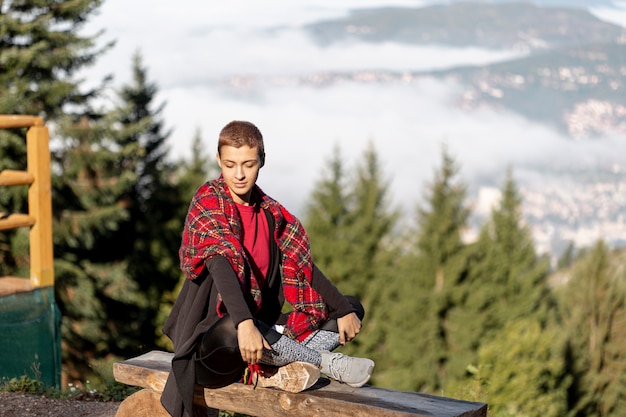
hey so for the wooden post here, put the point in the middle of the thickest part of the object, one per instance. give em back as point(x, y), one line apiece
point(40, 207)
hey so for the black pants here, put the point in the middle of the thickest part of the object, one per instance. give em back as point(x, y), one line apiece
point(217, 358)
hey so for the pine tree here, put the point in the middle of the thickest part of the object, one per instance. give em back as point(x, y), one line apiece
point(424, 289)
point(349, 232)
point(514, 264)
point(326, 222)
point(41, 51)
point(155, 223)
point(442, 260)
point(506, 298)
point(371, 223)
point(348, 228)
point(524, 370)
point(190, 174)
point(594, 312)
point(118, 228)
point(91, 207)
point(506, 281)
point(156, 219)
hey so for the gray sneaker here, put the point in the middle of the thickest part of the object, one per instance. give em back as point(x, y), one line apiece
point(352, 371)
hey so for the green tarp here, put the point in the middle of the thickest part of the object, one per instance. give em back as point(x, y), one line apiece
point(30, 337)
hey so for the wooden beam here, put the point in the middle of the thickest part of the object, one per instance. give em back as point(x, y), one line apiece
point(144, 403)
point(13, 285)
point(12, 177)
point(149, 370)
point(326, 398)
point(13, 121)
point(13, 221)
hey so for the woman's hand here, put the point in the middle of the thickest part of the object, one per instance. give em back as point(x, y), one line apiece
point(251, 342)
point(349, 326)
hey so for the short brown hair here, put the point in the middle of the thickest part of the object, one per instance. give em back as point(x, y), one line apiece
point(241, 133)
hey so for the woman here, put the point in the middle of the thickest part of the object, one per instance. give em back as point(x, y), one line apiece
point(246, 258)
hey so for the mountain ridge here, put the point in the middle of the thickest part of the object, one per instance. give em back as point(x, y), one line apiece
point(572, 59)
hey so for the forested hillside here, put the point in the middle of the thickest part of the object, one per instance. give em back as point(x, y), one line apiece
point(521, 25)
point(568, 72)
point(485, 320)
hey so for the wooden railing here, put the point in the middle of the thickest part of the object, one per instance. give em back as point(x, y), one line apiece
point(39, 216)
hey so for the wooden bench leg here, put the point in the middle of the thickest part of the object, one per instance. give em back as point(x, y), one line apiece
point(147, 403)
point(144, 403)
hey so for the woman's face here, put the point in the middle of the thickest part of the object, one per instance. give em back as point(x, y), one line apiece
point(240, 169)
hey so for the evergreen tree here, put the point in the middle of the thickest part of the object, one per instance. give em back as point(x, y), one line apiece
point(98, 298)
point(506, 281)
point(392, 321)
point(524, 369)
point(594, 313)
point(370, 243)
point(41, 50)
point(370, 222)
point(118, 228)
point(514, 265)
point(155, 223)
point(442, 263)
point(424, 289)
point(199, 168)
point(326, 221)
point(190, 174)
point(347, 231)
point(440, 225)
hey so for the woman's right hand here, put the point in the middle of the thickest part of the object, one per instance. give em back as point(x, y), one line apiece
point(251, 342)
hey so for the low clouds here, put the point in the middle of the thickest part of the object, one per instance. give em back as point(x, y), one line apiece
point(190, 50)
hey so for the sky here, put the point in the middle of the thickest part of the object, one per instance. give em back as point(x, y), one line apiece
point(195, 50)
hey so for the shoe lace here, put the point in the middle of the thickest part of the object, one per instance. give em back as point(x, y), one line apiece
point(251, 375)
point(339, 366)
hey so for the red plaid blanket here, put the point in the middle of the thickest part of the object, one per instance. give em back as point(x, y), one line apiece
point(213, 227)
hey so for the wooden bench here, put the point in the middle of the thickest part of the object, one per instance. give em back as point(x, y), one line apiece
point(326, 398)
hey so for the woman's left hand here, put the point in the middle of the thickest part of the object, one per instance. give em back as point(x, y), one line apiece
point(349, 326)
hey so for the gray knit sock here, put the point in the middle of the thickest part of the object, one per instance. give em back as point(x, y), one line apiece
point(287, 350)
point(321, 340)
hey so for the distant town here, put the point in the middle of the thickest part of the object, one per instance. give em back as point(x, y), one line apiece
point(580, 214)
point(570, 213)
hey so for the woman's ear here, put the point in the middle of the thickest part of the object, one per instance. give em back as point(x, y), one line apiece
point(262, 159)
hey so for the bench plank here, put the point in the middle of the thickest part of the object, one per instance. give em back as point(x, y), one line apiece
point(149, 370)
point(326, 398)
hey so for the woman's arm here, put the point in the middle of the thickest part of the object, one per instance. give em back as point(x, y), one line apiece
point(228, 286)
point(250, 339)
point(348, 324)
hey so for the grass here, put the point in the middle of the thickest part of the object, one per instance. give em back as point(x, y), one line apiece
point(105, 389)
point(111, 391)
